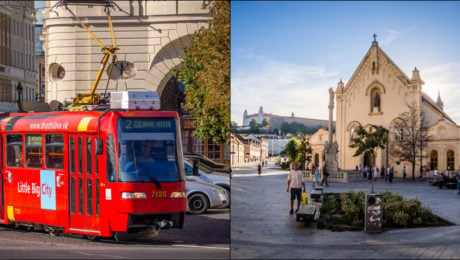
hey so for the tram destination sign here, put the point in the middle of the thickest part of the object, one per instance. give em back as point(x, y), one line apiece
point(147, 124)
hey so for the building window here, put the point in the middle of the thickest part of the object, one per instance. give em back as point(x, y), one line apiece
point(213, 149)
point(226, 151)
point(375, 100)
point(450, 160)
point(434, 159)
point(197, 146)
point(398, 133)
point(185, 140)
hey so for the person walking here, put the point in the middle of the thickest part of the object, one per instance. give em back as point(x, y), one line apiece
point(315, 176)
point(404, 171)
point(387, 175)
point(295, 182)
point(325, 176)
point(259, 169)
point(375, 172)
point(458, 182)
point(390, 178)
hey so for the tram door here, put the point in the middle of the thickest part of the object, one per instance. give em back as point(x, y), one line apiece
point(1, 180)
point(83, 196)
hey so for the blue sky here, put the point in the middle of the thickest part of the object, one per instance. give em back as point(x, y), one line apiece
point(286, 54)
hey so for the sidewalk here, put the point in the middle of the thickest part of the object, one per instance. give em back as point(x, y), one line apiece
point(262, 227)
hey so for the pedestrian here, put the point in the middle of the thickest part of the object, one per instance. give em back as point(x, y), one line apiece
point(259, 169)
point(421, 172)
point(375, 172)
point(387, 175)
point(443, 180)
point(315, 176)
point(382, 172)
point(404, 171)
point(435, 174)
point(391, 174)
point(366, 172)
point(295, 182)
point(458, 182)
point(325, 175)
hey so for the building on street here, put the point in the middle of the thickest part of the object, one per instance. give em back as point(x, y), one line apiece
point(376, 94)
point(17, 54)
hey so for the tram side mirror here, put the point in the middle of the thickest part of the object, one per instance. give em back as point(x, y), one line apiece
point(99, 146)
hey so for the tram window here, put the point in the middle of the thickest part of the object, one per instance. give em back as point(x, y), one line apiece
point(54, 149)
point(89, 196)
point(89, 157)
point(80, 196)
point(97, 197)
point(72, 155)
point(34, 152)
point(72, 195)
point(110, 159)
point(97, 163)
point(80, 155)
point(14, 150)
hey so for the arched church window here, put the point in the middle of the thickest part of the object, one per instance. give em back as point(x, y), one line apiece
point(450, 160)
point(434, 159)
point(398, 133)
point(375, 100)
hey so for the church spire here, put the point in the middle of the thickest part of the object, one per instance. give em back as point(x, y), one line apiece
point(439, 102)
point(415, 74)
point(375, 42)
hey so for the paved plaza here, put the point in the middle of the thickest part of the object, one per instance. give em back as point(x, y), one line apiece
point(261, 226)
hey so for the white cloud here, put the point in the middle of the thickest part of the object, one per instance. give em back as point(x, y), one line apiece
point(389, 37)
point(281, 88)
point(444, 78)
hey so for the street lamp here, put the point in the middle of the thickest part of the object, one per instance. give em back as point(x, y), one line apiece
point(19, 89)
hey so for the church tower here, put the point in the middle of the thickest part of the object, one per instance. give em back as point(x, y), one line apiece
point(439, 102)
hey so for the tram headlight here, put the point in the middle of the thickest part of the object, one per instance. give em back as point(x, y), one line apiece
point(177, 194)
point(133, 195)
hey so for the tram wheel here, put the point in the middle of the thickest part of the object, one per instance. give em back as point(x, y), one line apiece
point(197, 204)
point(93, 237)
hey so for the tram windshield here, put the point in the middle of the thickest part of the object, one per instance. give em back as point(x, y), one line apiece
point(147, 150)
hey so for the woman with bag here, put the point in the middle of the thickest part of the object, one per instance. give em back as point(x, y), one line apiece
point(315, 176)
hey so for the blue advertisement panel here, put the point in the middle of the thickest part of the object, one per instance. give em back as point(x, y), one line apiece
point(48, 189)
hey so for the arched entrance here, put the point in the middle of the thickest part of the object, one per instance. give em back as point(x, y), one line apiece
point(172, 97)
point(368, 160)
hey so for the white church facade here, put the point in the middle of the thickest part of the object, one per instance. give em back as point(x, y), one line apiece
point(376, 94)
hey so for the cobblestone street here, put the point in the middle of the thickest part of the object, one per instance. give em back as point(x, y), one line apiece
point(262, 227)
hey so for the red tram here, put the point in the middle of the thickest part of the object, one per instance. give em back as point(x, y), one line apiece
point(93, 172)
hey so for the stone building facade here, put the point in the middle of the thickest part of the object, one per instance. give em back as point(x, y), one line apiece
point(17, 54)
point(376, 94)
point(150, 36)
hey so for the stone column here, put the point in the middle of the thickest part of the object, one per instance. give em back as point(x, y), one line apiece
point(331, 147)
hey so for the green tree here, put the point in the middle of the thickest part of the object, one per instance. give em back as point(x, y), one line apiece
point(254, 127)
point(206, 76)
point(291, 149)
point(304, 152)
point(367, 142)
point(410, 136)
point(265, 122)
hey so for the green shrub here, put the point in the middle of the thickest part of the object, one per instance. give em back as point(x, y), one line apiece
point(400, 218)
point(345, 212)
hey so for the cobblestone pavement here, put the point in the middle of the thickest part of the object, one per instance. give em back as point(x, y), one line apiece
point(261, 226)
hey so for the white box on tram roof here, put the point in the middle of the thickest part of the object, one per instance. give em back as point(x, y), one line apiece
point(135, 100)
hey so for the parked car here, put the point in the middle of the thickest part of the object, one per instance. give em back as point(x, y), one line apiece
point(206, 163)
point(215, 178)
point(202, 196)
